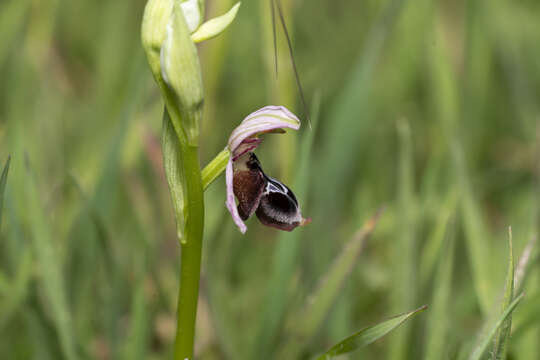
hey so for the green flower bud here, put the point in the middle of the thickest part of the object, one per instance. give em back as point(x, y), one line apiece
point(157, 14)
point(181, 71)
point(174, 62)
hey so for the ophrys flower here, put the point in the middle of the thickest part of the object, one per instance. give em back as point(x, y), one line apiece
point(272, 201)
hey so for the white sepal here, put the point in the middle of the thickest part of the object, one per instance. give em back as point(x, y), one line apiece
point(215, 26)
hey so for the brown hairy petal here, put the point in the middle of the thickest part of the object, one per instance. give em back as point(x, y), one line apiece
point(248, 186)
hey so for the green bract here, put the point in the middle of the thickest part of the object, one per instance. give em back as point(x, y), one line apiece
point(180, 69)
point(154, 29)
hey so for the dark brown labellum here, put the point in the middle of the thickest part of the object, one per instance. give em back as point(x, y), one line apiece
point(248, 188)
point(272, 201)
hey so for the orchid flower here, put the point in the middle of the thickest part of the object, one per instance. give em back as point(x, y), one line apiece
point(273, 202)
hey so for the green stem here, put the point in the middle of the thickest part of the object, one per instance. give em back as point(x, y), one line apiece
point(215, 167)
point(190, 267)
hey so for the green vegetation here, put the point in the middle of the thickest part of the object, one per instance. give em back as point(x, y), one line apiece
point(427, 110)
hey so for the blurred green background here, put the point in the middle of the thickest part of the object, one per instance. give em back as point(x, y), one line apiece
point(428, 108)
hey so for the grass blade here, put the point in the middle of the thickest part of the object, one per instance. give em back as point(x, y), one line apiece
point(405, 251)
point(3, 182)
point(483, 344)
point(320, 303)
point(102, 232)
point(291, 54)
point(18, 290)
point(499, 348)
point(476, 235)
point(136, 342)
point(368, 335)
point(438, 322)
point(523, 266)
point(431, 251)
point(12, 19)
point(355, 98)
point(530, 315)
point(273, 12)
point(51, 271)
point(284, 258)
point(38, 335)
point(446, 99)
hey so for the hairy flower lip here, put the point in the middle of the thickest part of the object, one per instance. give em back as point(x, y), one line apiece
point(244, 139)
